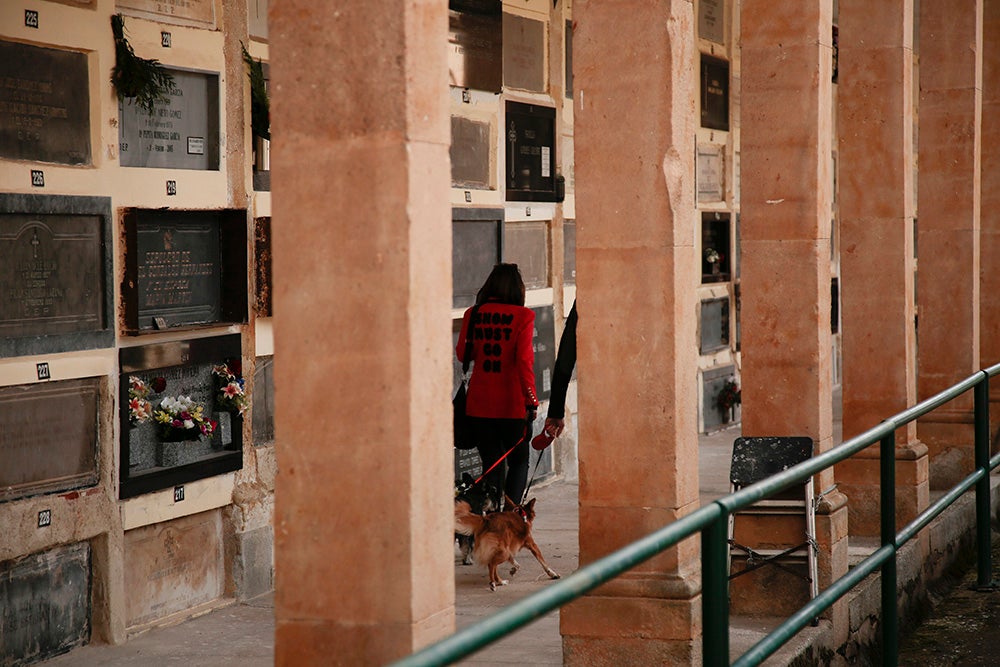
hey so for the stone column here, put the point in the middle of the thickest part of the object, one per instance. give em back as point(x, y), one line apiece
point(951, 42)
point(989, 325)
point(876, 261)
point(362, 275)
point(787, 187)
point(634, 129)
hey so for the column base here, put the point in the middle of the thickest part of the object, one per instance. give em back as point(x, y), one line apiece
point(858, 479)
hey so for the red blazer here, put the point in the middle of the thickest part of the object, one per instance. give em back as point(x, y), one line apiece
point(503, 375)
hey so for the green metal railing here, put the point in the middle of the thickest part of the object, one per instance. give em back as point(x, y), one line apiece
point(712, 522)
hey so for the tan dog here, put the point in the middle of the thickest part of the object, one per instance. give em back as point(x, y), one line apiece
point(499, 536)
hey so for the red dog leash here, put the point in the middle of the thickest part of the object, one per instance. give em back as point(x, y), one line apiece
point(503, 457)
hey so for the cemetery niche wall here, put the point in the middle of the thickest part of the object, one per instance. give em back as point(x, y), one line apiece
point(184, 269)
point(181, 412)
point(55, 285)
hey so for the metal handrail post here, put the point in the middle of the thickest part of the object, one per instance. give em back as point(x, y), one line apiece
point(984, 565)
point(887, 491)
point(715, 592)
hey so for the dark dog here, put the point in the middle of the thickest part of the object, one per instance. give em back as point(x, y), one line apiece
point(480, 499)
point(498, 538)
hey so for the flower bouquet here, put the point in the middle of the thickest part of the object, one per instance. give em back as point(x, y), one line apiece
point(180, 418)
point(231, 395)
point(139, 407)
point(729, 397)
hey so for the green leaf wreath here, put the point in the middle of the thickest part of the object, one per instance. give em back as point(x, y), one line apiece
point(142, 79)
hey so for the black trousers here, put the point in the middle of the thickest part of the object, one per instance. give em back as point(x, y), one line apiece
point(493, 438)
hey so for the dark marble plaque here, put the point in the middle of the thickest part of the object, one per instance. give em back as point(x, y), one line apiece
point(263, 401)
point(48, 437)
point(44, 604)
point(714, 325)
point(55, 257)
point(52, 275)
point(150, 461)
point(182, 133)
point(544, 343)
point(44, 104)
point(470, 153)
point(178, 271)
point(714, 93)
point(529, 130)
point(475, 248)
point(523, 53)
point(712, 382)
point(475, 44)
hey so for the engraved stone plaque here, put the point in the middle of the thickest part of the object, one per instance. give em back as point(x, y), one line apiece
point(475, 248)
point(569, 252)
point(55, 257)
point(470, 153)
point(48, 436)
point(178, 271)
point(711, 182)
point(173, 566)
point(526, 244)
point(475, 44)
point(257, 18)
point(194, 11)
point(44, 604)
point(44, 104)
point(263, 401)
point(711, 20)
point(523, 53)
point(182, 133)
point(51, 277)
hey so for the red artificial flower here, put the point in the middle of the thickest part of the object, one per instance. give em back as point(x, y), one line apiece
point(159, 384)
point(235, 366)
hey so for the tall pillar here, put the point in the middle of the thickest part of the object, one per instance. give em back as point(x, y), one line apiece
point(787, 188)
point(634, 130)
point(948, 205)
point(362, 277)
point(875, 99)
point(989, 311)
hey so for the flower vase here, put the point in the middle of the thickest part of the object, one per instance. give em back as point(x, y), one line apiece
point(223, 435)
point(715, 268)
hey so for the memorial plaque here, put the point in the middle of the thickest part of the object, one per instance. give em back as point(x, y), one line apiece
point(531, 154)
point(44, 604)
point(714, 93)
point(475, 249)
point(711, 20)
point(544, 343)
point(569, 252)
point(711, 179)
point(55, 294)
point(569, 59)
point(527, 245)
point(714, 325)
point(185, 268)
point(263, 401)
point(257, 18)
point(173, 566)
point(181, 133)
point(153, 458)
point(48, 437)
point(178, 271)
point(523, 53)
point(475, 44)
point(197, 12)
point(470, 153)
point(262, 265)
point(44, 104)
point(713, 380)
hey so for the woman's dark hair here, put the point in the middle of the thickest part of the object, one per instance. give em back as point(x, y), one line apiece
point(503, 286)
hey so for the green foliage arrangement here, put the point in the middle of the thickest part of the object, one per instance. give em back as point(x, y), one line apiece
point(142, 79)
point(260, 105)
